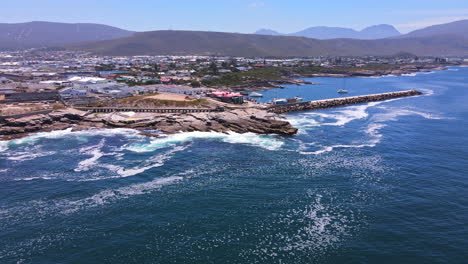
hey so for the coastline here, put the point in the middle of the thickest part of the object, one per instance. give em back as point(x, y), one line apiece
point(246, 120)
point(240, 120)
point(297, 78)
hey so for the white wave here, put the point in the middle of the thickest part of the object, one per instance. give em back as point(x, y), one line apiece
point(383, 76)
point(122, 172)
point(3, 146)
point(31, 139)
point(110, 195)
point(267, 142)
point(33, 178)
point(23, 156)
point(426, 92)
point(373, 129)
point(46, 208)
point(392, 114)
point(331, 148)
point(96, 153)
point(342, 116)
point(410, 74)
point(429, 72)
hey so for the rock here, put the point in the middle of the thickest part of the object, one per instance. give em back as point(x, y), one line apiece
point(236, 120)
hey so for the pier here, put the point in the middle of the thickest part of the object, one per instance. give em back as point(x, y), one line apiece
point(320, 104)
point(149, 110)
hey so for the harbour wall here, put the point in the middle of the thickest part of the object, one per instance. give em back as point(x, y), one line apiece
point(320, 104)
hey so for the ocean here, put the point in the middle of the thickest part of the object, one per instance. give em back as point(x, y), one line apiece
point(382, 182)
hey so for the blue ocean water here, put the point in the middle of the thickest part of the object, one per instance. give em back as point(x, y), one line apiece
point(383, 182)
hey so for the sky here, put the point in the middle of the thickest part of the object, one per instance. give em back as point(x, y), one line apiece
point(243, 16)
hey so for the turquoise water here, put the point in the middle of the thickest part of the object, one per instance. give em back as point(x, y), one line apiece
point(380, 182)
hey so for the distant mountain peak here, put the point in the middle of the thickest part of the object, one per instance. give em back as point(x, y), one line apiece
point(326, 32)
point(379, 31)
point(265, 31)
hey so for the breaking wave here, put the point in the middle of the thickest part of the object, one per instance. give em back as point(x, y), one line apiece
point(342, 117)
point(68, 133)
point(3, 145)
point(264, 141)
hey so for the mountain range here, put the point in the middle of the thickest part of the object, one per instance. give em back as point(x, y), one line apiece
point(38, 34)
point(372, 32)
point(440, 40)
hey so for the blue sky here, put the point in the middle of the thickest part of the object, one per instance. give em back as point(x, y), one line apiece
point(244, 16)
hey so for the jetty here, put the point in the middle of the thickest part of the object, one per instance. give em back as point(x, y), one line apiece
point(328, 103)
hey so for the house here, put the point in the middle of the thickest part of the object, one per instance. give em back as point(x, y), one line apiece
point(166, 80)
point(228, 97)
point(73, 93)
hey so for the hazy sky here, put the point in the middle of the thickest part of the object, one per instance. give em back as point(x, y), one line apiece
point(244, 16)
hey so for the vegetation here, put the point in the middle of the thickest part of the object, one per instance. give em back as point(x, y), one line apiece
point(272, 74)
point(144, 101)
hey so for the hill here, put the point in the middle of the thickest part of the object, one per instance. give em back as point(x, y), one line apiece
point(250, 45)
point(42, 34)
point(372, 32)
point(459, 28)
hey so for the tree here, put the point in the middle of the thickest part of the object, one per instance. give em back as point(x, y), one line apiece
point(195, 84)
point(214, 68)
point(156, 67)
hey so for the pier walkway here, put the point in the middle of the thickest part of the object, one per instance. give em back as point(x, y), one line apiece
point(149, 110)
point(319, 104)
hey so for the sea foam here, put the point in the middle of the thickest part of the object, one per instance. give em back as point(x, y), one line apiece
point(263, 141)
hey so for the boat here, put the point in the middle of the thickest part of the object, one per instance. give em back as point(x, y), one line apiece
point(342, 91)
point(254, 94)
point(280, 101)
point(298, 99)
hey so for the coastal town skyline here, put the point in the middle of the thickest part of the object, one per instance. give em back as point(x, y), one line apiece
point(233, 131)
point(242, 16)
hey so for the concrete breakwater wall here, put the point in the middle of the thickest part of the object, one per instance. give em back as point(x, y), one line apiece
point(319, 104)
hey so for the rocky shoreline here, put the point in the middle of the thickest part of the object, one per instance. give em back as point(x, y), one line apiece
point(238, 120)
point(295, 78)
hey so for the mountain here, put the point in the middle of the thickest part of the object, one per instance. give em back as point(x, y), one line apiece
point(249, 45)
point(459, 28)
point(326, 33)
point(379, 32)
point(268, 32)
point(40, 34)
point(372, 32)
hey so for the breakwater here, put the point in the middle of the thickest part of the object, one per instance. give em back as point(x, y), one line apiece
point(320, 104)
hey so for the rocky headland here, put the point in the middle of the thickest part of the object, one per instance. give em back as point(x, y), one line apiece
point(236, 120)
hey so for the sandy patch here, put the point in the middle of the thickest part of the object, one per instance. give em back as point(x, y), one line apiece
point(169, 96)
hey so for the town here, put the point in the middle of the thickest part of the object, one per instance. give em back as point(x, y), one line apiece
point(38, 80)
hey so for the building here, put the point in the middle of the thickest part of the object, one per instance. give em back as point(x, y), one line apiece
point(73, 93)
point(33, 97)
point(228, 97)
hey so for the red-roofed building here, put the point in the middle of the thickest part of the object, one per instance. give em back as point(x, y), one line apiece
point(228, 97)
